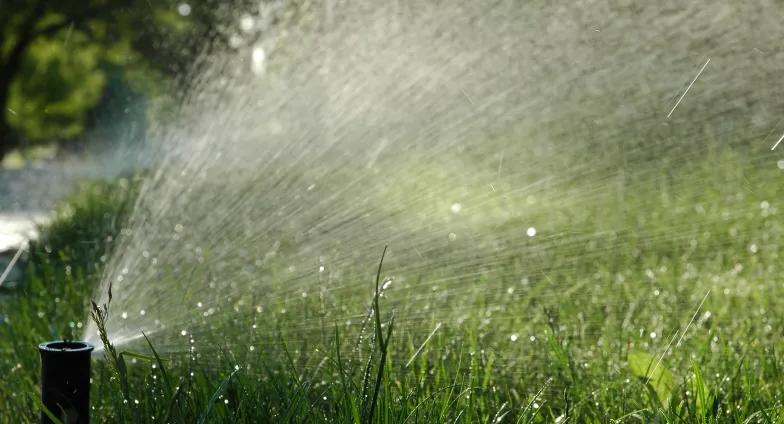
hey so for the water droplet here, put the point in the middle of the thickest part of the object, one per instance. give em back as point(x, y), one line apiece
point(124, 315)
point(452, 236)
point(456, 208)
point(184, 333)
point(321, 268)
point(184, 9)
point(258, 64)
point(653, 334)
point(513, 337)
point(246, 23)
point(531, 231)
point(178, 228)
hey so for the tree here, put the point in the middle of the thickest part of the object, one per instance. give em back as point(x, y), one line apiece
point(55, 55)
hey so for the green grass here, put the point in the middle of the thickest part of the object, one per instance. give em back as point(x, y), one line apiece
point(583, 350)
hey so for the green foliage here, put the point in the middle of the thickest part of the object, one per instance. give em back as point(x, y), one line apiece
point(56, 87)
point(85, 227)
point(653, 373)
point(56, 58)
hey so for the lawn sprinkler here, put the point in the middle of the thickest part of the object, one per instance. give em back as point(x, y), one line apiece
point(65, 381)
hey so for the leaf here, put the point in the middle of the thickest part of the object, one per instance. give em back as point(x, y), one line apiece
point(653, 372)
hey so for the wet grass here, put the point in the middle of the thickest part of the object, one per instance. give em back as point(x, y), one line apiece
point(676, 318)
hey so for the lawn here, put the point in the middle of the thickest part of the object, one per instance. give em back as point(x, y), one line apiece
point(663, 307)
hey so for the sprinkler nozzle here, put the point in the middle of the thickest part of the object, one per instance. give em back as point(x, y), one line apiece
point(65, 380)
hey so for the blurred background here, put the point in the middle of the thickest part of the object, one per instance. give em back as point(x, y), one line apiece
point(81, 82)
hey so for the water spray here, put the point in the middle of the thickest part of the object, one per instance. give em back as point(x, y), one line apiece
point(65, 380)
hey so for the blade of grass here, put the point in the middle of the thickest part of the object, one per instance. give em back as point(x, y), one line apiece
point(40, 404)
point(383, 343)
point(214, 397)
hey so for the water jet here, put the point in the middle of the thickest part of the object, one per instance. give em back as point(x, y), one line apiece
point(65, 380)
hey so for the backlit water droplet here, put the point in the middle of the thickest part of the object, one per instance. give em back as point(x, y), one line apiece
point(184, 9)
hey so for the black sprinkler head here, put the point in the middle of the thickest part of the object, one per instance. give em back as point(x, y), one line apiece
point(65, 380)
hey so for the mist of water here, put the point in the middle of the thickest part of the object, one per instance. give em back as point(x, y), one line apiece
point(486, 144)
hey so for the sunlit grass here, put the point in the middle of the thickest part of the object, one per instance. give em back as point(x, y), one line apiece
point(600, 333)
